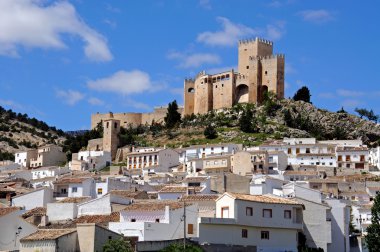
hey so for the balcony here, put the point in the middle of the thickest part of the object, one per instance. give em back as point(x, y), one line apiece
point(60, 194)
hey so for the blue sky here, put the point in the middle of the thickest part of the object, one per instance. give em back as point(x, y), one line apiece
point(61, 61)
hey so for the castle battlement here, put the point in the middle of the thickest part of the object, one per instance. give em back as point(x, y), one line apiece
point(257, 39)
point(273, 56)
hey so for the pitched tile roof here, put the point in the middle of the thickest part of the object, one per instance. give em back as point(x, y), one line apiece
point(113, 217)
point(173, 189)
point(127, 193)
point(74, 200)
point(200, 197)
point(37, 211)
point(47, 234)
point(157, 205)
point(71, 180)
point(7, 210)
point(270, 199)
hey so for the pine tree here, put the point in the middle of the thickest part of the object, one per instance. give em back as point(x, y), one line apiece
point(247, 122)
point(210, 132)
point(373, 231)
point(303, 94)
point(173, 117)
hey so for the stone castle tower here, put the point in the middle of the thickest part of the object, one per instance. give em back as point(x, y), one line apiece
point(111, 129)
point(259, 71)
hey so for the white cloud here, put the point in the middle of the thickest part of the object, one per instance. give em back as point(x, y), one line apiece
point(352, 103)
point(205, 4)
point(317, 16)
point(70, 97)
point(327, 95)
point(123, 82)
point(217, 70)
point(11, 104)
point(138, 105)
point(95, 101)
point(110, 23)
point(275, 31)
point(35, 24)
point(194, 60)
point(349, 93)
point(228, 36)
point(232, 32)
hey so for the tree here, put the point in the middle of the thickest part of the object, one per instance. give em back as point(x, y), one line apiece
point(173, 117)
point(210, 132)
point(369, 114)
point(342, 111)
point(373, 231)
point(303, 94)
point(177, 247)
point(119, 245)
point(247, 122)
point(288, 118)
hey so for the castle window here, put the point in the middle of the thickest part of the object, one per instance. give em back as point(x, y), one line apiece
point(107, 125)
point(247, 67)
point(266, 72)
point(222, 85)
point(216, 86)
point(191, 90)
point(115, 125)
point(227, 76)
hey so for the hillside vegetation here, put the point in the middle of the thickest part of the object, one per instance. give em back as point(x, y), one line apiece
point(20, 132)
point(252, 125)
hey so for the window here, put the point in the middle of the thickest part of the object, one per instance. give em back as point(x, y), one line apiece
point(287, 214)
point(100, 191)
point(74, 189)
point(248, 211)
point(247, 67)
point(244, 233)
point(225, 212)
point(133, 220)
point(348, 158)
point(264, 235)
point(267, 213)
point(266, 72)
point(158, 220)
point(115, 125)
point(190, 229)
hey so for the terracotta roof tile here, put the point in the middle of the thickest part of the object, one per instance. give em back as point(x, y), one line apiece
point(37, 211)
point(74, 200)
point(113, 217)
point(71, 180)
point(180, 189)
point(7, 210)
point(305, 173)
point(200, 197)
point(157, 205)
point(264, 199)
point(47, 234)
point(127, 194)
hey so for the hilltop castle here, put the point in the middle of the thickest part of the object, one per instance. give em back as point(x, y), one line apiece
point(259, 71)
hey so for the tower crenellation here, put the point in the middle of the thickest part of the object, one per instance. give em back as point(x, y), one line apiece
point(259, 71)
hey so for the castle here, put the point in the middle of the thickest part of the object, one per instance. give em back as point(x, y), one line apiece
point(259, 71)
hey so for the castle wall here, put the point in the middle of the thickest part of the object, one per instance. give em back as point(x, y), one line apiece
point(252, 48)
point(203, 101)
point(189, 92)
point(272, 74)
point(125, 118)
point(223, 93)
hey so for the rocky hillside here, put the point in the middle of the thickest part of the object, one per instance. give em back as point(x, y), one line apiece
point(273, 120)
point(19, 132)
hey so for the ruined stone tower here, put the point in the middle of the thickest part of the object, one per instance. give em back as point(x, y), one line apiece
point(259, 71)
point(111, 129)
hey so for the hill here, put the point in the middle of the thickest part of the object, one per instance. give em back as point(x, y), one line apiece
point(20, 132)
point(273, 120)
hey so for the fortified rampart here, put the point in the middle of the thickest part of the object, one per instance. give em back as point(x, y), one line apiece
point(134, 119)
